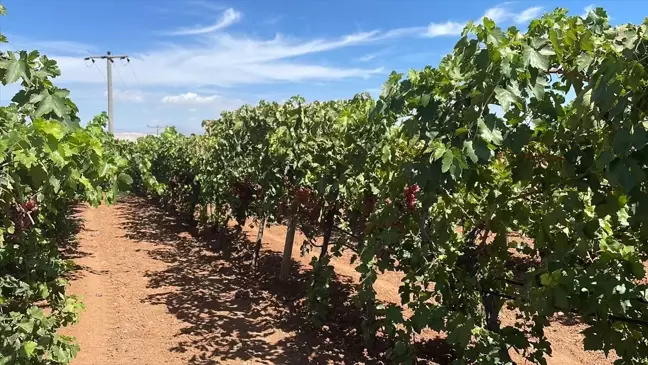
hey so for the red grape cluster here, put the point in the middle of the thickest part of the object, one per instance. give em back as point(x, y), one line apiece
point(247, 191)
point(410, 196)
point(369, 205)
point(21, 214)
point(309, 205)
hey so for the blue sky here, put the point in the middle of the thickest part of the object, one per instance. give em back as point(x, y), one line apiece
point(192, 59)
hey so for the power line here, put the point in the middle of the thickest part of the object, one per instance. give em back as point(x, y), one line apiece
point(120, 78)
point(127, 64)
point(95, 66)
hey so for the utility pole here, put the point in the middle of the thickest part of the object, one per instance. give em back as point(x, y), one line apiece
point(157, 128)
point(109, 57)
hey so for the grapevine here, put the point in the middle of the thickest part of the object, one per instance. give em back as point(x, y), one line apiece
point(48, 165)
point(519, 144)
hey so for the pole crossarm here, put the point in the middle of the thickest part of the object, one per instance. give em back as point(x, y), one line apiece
point(106, 57)
point(109, 57)
point(157, 128)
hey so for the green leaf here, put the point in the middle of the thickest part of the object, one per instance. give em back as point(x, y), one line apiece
point(394, 314)
point(537, 88)
point(495, 36)
point(532, 57)
point(482, 150)
point(622, 141)
point(505, 97)
point(386, 154)
point(425, 99)
point(51, 103)
point(16, 68)
point(583, 101)
point(470, 151)
point(523, 171)
point(124, 181)
point(50, 127)
point(27, 325)
point(492, 136)
point(546, 279)
point(460, 331)
point(519, 138)
point(583, 61)
point(593, 340)
point(604, 159)
point(55, 183)
point(448, 159)
point(421, 317)
point(438, 152)
point(29, 349)
point(38, 174)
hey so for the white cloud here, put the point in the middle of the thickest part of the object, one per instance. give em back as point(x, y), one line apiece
point(501, 14)
point(498, 14)
point(17, 42)
point(207, 5)
point(403, 32)
point(444, 29)
point(189, 99)
point(133, 96)
point(367, 57)
point(588, 8)
point(223, 59)
point(210, 104)
point(227, 18)
point(226, 60)
point(528, 14)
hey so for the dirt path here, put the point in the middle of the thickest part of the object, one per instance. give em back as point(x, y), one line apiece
point(155, 295)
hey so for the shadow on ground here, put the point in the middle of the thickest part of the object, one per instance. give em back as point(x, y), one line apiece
point(68, 242)
point(233, 313)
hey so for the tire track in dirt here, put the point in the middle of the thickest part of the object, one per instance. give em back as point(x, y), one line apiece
point(118, 327)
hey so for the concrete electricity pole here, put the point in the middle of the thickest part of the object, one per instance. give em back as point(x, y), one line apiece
point(109, 57)
point(157, 128)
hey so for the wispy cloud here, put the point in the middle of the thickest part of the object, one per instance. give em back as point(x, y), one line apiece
point(503, 13)
point(227, 18)
point(528, 14)
point(205, 105)
point(17, 42)
point(223, 59)
point(367, 57)
point(189, 99)
point(588, 8)
point(131, 96)
point(444, 29)
point(499, 14)
point(207, 5)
